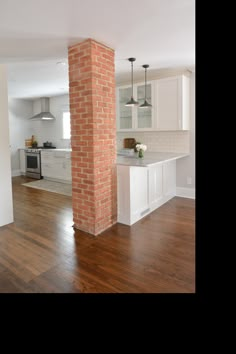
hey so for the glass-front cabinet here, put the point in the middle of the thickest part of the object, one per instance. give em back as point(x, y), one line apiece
point(144, 115)
point(170, 100)
point(134, 118)
point(125, 113)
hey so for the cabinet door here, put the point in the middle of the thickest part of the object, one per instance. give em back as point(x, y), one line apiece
point(155, 185)
point(56, 165)
point(67, 169)
point(144, 115)
point(47, 164)
point(124, 114)
point(139, 193)
point(172, 103)
point(47, 170)
point(169, 179)
point(135, 118)
point(47, 157)
point(167, 104)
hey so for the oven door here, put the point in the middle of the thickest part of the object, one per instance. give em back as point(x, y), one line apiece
point(32, 161)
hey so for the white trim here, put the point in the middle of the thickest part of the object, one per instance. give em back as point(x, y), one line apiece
point(15, 173)
point(185, 192)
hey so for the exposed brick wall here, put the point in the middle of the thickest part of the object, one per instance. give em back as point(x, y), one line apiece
point(93, 136)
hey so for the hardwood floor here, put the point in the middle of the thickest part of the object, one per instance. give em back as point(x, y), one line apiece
point(41, 253)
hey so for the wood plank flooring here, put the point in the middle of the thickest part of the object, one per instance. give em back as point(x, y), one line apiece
point(41, 252)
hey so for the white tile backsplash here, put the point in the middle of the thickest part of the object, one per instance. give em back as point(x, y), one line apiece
point(173, 141)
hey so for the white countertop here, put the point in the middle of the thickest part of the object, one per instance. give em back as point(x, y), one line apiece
point(149, 158)
point(66, 150)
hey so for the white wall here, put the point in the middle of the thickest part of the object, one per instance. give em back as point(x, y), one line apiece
point(51, 130)
point(6, 206)
point(19, 113)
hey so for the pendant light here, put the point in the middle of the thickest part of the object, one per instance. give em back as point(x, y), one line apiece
point(145, 104)
point(132, 102)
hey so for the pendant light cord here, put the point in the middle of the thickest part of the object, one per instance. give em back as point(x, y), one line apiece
point(132, 80)
point(145, 82)
point(145, 104)
point(132, 102)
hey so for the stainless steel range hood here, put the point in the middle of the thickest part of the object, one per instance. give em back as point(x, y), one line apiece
point(44, 114)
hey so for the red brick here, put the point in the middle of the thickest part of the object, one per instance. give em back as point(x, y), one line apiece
point(93, 135)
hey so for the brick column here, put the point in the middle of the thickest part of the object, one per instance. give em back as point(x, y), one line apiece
point(93, 136)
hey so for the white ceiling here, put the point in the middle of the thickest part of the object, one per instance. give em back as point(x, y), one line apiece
point(35, 35)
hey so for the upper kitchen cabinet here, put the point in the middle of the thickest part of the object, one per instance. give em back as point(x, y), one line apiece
point(125, 115)
point(135, 118)
point(172, 103)
point(145, 115)
point(170, 106)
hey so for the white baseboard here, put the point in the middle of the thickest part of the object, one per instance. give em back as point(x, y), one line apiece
point(15, 173)
point(185, 192)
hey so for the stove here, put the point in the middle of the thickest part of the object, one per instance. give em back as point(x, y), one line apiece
point(33, 163)
point(33, 150)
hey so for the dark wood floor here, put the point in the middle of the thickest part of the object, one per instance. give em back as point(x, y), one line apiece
point(41, 253)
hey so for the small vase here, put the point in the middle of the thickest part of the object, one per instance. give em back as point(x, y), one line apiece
point(140, 153)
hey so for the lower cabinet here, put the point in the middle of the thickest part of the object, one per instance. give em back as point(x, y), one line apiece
point(140, 190)
point(155, 186)
point(132, 193)
point(169, 179)
point(56, 165)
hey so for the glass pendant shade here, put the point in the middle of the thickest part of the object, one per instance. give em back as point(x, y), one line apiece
point(132, 102)
point(145, 104)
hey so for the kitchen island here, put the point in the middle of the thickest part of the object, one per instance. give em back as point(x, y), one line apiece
point(144, 184)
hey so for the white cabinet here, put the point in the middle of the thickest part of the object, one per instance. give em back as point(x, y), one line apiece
point(56, 165)
point(162, 183)
point(169, 179)
point(155, 185)
point(135, 118)
point(140, 190)
point(22, 161)
point(132, 193)
point(172, 103)
point(125, 115)
point(170, 99)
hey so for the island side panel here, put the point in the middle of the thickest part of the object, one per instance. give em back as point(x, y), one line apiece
point(123, 195)
point(139, 188)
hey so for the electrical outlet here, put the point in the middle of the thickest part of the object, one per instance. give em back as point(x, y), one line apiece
point(189, 180)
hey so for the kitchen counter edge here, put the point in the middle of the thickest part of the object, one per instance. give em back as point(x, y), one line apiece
point(149, 159)
point(66, 150)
